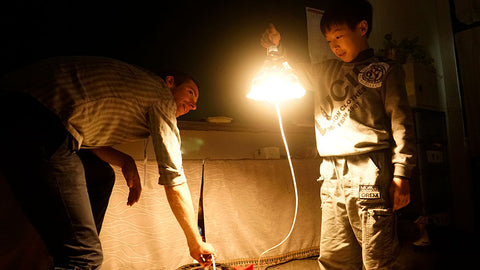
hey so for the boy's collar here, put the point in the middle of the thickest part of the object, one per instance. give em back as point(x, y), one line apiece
point(363, 55)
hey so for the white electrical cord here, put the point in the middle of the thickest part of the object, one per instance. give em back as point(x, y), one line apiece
point(294, 185)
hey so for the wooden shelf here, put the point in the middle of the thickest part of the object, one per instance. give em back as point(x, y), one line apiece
point(237, 127)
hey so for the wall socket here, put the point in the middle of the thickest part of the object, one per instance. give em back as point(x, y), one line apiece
point(434, 156)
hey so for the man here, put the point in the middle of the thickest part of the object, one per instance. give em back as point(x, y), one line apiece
point(53, 109)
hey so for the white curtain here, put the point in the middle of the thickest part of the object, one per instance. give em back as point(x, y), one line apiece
point(249, 207)
point(146, 235)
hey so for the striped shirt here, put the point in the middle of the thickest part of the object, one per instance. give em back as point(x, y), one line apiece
point(105, 102)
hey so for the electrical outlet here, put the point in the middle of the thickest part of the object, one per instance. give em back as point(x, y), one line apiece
point(434, 156)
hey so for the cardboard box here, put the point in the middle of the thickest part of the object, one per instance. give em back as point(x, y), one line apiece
point(421, 86)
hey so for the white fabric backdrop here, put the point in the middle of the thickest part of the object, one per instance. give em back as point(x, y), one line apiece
point(249, 207)
point(248, 204)
point(146, 235)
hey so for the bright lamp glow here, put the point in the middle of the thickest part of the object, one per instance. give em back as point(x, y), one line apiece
point(275, 81)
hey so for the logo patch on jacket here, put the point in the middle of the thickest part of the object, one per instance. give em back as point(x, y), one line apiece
point(372, 75)
point(369, 192)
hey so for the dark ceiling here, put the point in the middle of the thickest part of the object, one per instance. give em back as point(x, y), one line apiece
point(216, 41)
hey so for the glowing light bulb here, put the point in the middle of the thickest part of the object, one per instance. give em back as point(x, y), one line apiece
point(275, 81)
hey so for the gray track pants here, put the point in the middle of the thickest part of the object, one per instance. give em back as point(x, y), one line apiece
point(358, 225)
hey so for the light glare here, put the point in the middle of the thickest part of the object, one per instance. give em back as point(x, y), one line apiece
point(276, 82)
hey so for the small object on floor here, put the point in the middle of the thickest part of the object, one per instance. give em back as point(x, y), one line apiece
point(421, 243)
point(250, 267)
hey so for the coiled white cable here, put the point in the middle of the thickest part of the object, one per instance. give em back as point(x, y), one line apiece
point(294, 185)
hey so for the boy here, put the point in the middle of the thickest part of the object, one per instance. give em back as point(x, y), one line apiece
point(365, 135)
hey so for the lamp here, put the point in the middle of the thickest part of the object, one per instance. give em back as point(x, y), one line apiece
point(275, 81)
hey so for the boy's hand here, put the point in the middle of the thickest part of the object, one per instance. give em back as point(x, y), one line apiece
point(400, 193)
point(270, 37)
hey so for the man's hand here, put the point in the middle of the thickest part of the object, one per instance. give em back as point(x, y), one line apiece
point(129, 170)
point(400, 193)
point(270, 37)
point(203, 253)
point(180, 201)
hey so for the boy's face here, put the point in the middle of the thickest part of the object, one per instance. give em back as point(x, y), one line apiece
point(346, 43)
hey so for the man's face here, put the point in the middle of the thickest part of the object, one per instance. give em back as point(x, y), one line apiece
point(345, 43)
point(186, 96)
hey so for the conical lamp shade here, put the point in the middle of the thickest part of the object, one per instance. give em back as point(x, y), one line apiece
point(276, 81)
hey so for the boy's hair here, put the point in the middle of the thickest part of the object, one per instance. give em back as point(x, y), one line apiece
point(349, 12)
point(178, 76)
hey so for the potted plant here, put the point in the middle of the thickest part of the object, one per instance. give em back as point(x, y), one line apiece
point(405, 50)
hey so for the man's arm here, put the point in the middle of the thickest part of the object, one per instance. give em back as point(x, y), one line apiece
point(181, 204)
point(129, 170)
point(166, 142)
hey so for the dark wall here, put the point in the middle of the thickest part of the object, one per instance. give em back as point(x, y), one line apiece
point(216, 41)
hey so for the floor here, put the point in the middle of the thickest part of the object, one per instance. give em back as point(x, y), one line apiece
point(448, 249)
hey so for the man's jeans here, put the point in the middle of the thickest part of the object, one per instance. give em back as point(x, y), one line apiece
point(48, 179)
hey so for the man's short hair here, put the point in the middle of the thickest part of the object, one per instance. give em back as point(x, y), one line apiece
point(178, 76)
point(350, 12)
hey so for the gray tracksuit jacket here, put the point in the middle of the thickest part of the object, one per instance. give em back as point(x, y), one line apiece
point(361, 107)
